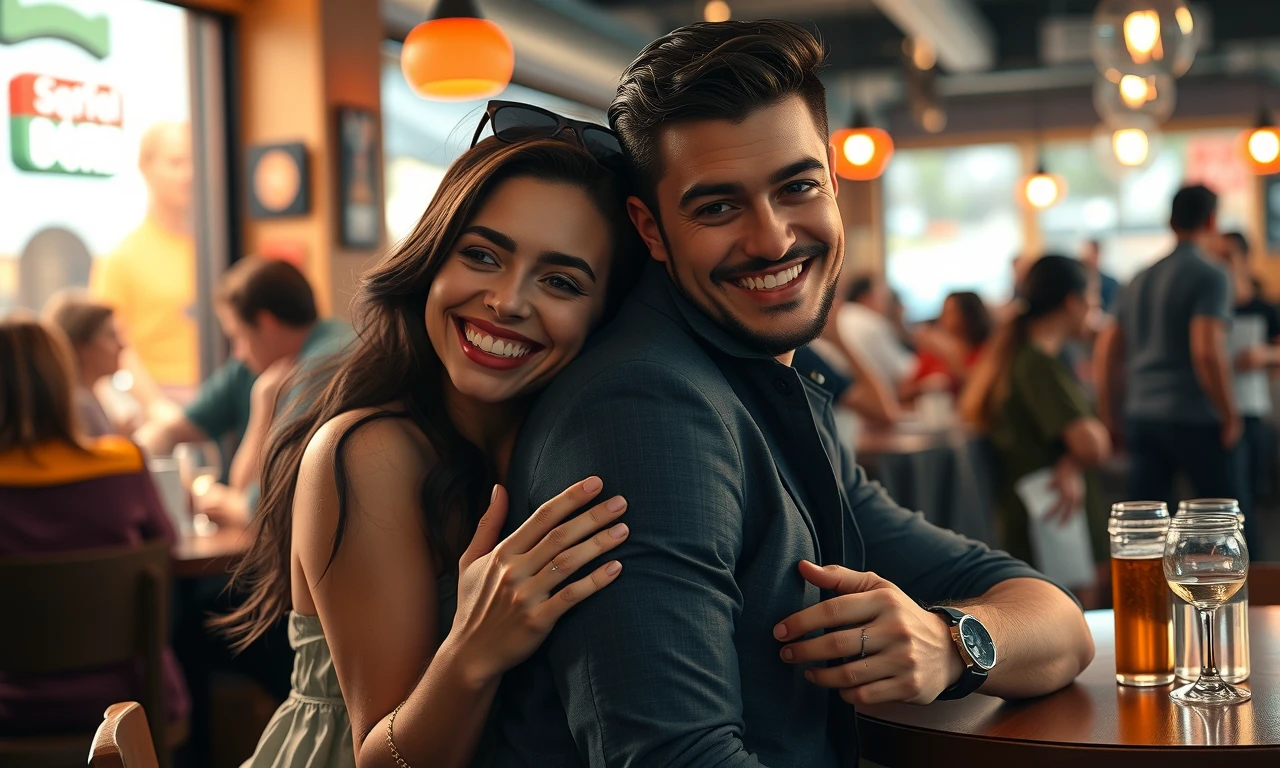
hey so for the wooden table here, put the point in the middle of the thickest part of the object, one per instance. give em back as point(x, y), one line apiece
point(213, 555)
point(1093, 723)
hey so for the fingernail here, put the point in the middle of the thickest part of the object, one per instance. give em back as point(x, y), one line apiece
point(808, 675)
point(780, 631)
point(613, 568)
point(618, 531)
point(786, 654)
point(616, 504)
point(592, 484)
point(493, 496)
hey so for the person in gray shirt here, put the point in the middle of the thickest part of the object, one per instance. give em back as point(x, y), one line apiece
point(764, 574)
point(1169, 341)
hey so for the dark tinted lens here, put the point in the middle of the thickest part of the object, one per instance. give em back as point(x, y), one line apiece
point(517, 123)
point(601, 143)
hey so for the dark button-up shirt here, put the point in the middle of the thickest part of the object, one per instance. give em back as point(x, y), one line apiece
point(729, 462)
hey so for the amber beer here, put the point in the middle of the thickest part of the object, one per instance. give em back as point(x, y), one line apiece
point(1144, 621)
point(1140, 594)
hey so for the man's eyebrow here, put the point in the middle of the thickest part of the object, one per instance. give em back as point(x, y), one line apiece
point(716, 189)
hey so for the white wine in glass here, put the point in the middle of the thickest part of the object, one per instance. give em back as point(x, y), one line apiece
point(1206, 590)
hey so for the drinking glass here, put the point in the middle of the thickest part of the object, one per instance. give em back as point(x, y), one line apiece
point(1205, 563)
point(1144, 640)
point(1231, 627)
point(199, 467)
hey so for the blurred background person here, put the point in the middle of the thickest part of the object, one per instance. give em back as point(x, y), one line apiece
point(1170, 341)
point(1103, 285)
point(1254, 341)
point(95, 344)
point(150, 278)
point(1037, 416)
point(60, 491)
point(865, 330)
point(947, 350)
point(267, 310)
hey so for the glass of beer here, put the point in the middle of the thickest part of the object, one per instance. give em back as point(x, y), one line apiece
point(1143, 615)
point(1206, 562)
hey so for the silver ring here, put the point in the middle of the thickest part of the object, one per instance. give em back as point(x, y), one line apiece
point(863, 653)
point(554, 567)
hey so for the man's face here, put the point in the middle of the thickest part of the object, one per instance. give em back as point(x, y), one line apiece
point(258, 345)
point(169, 170)
point(750, 231)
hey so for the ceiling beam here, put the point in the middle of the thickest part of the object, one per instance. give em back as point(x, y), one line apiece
point(959, 34)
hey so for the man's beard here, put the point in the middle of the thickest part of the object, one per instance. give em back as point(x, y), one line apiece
point(786, 339)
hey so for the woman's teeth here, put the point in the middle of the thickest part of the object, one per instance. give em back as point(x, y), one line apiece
point(495, 346)
point(771, 282)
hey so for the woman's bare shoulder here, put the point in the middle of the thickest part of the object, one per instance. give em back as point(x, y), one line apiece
point(381, 450)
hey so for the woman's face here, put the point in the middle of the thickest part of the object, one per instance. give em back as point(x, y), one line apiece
point(101, 356)
point(952, 319)
point(520, 290)
point(1082, 312)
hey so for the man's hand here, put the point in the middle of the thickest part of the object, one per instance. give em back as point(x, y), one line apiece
point(909, 653)
point(1232, 431)
point(1253, 358)
point(266, 388)
point(223, 505)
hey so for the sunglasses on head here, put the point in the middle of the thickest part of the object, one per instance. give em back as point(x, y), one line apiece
point(513, 122)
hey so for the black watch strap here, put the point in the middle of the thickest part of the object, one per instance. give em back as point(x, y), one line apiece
point(973, 676)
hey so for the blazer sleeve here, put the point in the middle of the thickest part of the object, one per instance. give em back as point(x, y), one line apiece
point(647, 669)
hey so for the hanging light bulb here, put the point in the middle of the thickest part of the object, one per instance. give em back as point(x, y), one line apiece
point(1144, 37)
point(457, 55)
point(1136, 91)
point(1261, 146)
point(1042, 190)
point(1154, 96)
point(1126, 145)
point(716, 10)
point(862, 152)
point(1130, 146)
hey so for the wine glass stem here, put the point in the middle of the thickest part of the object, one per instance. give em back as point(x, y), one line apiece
point(1209, 665)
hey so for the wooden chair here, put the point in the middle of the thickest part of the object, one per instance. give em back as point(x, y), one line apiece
point(1264, 583)
point(123, 740)
point(80, 610)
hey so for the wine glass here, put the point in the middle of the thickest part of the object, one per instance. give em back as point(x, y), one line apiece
point(199, 467)
point(1205, 563)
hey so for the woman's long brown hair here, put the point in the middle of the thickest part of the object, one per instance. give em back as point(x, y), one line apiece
point(36, 386)
point(392, 360)
point(1048, 284)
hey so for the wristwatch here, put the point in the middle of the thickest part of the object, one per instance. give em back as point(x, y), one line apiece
point(977, 651)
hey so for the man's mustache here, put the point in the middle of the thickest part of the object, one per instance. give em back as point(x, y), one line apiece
point(794, 254)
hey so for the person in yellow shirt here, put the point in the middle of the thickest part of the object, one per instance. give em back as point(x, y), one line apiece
point(150, 279)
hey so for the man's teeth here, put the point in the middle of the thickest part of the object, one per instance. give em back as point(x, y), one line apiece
point(770, 282)
point(495, 346)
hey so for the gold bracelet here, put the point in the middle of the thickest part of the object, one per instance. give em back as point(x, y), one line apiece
point(391, 744)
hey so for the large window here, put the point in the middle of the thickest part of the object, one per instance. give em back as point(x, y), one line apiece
point(96, 183)
point(421, 138)
point(951, 224)
point(1130, 215)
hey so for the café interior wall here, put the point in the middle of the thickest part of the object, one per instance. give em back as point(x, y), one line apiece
point(299, 61)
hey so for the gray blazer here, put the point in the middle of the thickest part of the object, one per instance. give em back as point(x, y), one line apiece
point(732, 473)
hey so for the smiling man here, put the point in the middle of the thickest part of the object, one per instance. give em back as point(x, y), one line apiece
point(721, 641)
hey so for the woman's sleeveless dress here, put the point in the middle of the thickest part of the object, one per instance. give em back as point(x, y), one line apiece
point(312, 729)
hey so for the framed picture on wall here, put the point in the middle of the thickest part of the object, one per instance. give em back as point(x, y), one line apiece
point(278, 181)
point(359, 183)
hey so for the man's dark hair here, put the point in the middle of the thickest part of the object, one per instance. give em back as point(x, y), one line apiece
point(860, 286)
point(1193, 206)
point(255, 284)
point(1238, 242)
point(712, 71)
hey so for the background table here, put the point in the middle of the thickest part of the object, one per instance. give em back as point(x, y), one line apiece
point(946, 474)
point(213, 555)
point(1093, 722)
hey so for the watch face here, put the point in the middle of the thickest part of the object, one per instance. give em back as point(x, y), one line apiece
point(978, 642)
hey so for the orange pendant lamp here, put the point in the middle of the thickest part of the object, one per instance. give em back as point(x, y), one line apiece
point(1261, 146)
point(1041, 189)
point(862, 152)
point(457, 55)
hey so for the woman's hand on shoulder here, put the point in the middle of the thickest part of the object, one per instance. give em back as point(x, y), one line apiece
point(507, 592)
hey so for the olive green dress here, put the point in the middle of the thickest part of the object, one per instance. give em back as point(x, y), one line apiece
point(312, 729)
point(1027, 430)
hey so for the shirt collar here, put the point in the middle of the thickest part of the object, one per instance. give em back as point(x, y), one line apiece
point(659, 291)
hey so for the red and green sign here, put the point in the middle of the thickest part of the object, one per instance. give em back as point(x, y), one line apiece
point(20, 22)
point(64, 126)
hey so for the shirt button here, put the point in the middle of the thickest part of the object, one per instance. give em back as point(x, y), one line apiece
point(782, 386)
point(818, 378)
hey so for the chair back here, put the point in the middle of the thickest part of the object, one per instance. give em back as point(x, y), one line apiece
point(123, 740)
point(90, 608)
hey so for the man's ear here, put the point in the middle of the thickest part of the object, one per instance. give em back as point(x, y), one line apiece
point(650, 231)
point(831, 169)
